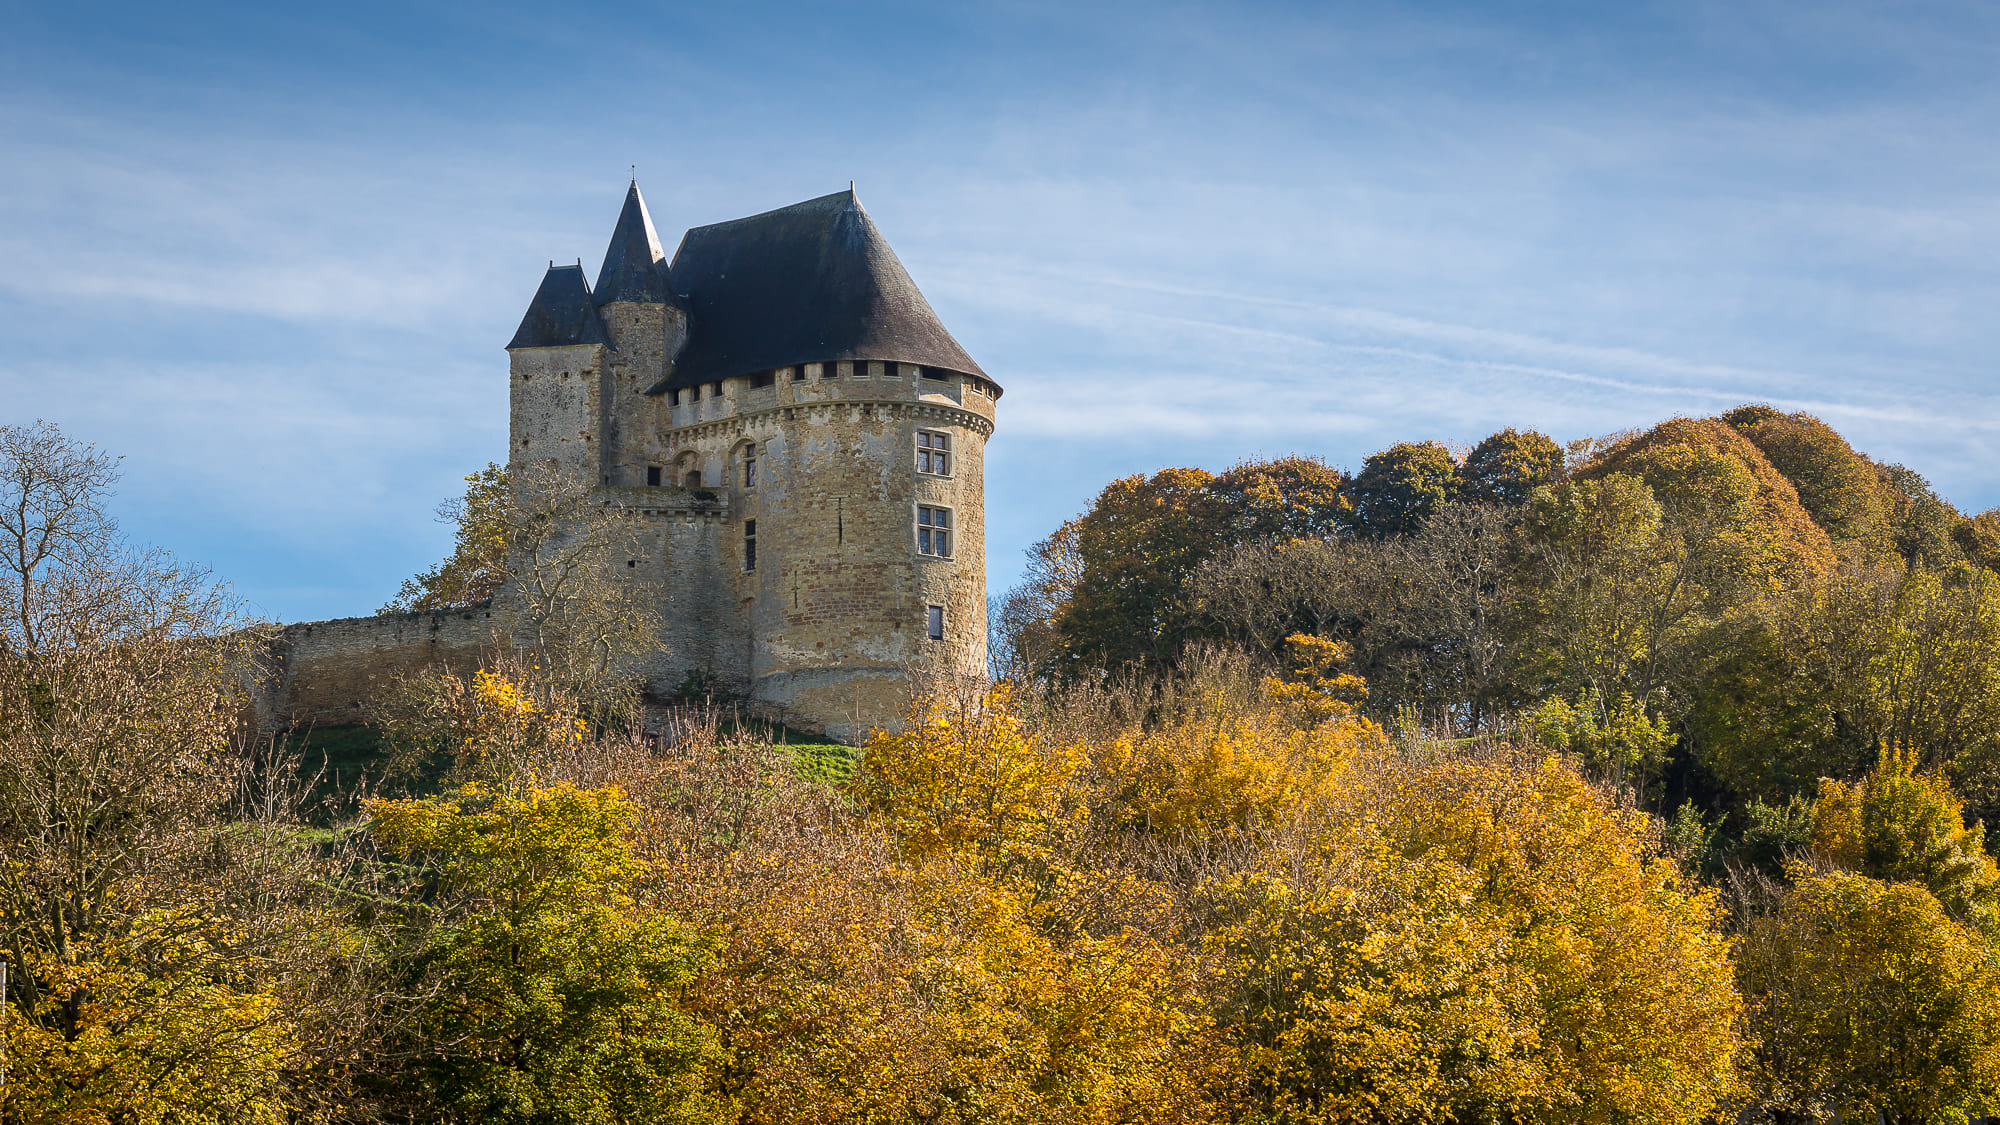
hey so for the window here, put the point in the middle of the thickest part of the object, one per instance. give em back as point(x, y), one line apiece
point(934, 531)
point(694, 393)
point(934, 453)
point(715, 390)
point(829, 371)
point(933, 374)
point(763, 378)
point(653, 475)
point(749, 466)
point(749, 544)
point(934, 621)
point(798, 373)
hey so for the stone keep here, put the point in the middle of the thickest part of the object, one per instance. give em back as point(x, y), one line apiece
point(799, 436)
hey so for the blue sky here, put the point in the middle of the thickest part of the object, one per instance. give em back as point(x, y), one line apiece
point(271, 253)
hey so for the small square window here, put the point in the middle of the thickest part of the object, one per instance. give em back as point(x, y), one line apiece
point(763, 378)
point(934, 621)
point(653, 475)
point(829, 371)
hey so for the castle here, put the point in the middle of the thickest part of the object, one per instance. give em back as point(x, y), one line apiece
point(799, 439)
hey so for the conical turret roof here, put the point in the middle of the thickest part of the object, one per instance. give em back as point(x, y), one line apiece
point(635, 268)
point(561, 313)
point(808, 283)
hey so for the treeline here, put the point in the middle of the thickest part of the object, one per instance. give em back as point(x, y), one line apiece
point(1778, 605)
point(1198, 884)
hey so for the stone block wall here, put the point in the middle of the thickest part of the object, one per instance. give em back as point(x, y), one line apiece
point(326, 672)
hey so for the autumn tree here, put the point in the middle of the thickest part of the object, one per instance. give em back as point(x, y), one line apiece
point(1921, 522)
point(1901, 826)
point(1398, 488)
point(1813, 681)
point(1837, 486)
point(1284, 500)
point(1480, 938)
point(1507, 467)
point(540, 988)
point(1867, 998)
point(142, 988)
point(478, 562)
point(963, 778)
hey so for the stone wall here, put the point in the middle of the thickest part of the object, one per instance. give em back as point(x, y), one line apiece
point(326, 672)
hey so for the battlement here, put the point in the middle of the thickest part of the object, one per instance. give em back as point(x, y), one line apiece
point(799, 442)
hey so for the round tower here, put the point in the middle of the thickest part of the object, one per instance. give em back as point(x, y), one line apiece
point(847, 429)
point(799, 442)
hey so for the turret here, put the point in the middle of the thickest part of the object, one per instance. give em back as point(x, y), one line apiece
point(557, 361)
point(647, 325)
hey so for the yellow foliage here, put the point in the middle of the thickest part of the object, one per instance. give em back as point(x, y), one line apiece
point(1866, 999)
point(1478, 939)
point(1901, 826)
point(1217, 765)
point(964, 778)
point(167, 1031)
point(1314, 686)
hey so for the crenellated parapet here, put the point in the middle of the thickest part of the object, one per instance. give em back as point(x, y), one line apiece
point(799, 439)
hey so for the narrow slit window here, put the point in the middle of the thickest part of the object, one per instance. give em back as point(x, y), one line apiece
point(934, 453)
point(749, 544)
point(749, 466)
point(934, 531)
point(934, 622)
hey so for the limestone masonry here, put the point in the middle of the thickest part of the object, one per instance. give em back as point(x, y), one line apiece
point(800, 438)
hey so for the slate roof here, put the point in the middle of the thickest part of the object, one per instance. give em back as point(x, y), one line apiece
point(561, 313)
point(635, 268)
point(808, 283)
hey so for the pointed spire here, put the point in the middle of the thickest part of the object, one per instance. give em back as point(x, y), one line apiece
point(635, 269)
point(561, 313)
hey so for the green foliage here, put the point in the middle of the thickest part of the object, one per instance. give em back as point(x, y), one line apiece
point(548, 992)
point(1866, 998)
point(1619, 738)
point(1509, 466)
point(1776, 833)
point(1398, 488)
point(1900, 826)
point(1837, 486)
point(478, 562)
point(1921, 522)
